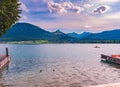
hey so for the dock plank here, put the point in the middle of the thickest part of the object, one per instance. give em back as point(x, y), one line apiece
point(2, 57)
point(4, 60)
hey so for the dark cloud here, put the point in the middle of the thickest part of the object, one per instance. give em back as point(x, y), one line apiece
point(101, 9)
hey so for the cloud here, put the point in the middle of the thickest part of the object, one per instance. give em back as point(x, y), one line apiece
point(112, 16)
point(109, 1)
point(24, 7)
point(76, 22)
point(88, 26)
point(88, 6)
point(92, 15)
point(64, 7)
point(24, 17)
point(101, 9)
point(56, 8)
point(106, 1)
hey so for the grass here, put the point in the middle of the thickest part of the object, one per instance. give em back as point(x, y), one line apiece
point(28, 42)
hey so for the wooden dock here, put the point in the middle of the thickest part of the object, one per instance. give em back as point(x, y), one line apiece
point(4, 59)
point(106, 85)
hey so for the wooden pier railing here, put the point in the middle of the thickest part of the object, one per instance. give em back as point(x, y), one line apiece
point(4, 59)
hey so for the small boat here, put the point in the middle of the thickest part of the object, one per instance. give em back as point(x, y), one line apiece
point(96, 47)
point(113, 58)
point(4, 59)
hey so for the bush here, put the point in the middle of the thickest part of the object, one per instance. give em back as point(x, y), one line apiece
point(9, 14)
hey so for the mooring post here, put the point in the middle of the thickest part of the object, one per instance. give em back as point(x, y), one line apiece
point(6, 51)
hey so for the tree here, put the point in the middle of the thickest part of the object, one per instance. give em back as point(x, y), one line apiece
point(9, 14)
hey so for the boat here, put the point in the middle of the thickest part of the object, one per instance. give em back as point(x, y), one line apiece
point(112, 58)
point(4, 59)
point(96, 47)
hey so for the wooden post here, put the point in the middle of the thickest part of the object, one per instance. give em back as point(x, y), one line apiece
point(6, 51)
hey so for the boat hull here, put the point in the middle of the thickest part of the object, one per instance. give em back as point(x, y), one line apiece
point(110, 59)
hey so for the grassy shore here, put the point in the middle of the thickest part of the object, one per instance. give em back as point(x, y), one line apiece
point(46, 41)
point(27, 42)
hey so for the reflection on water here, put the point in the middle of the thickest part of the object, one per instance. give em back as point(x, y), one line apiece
point(111, 64)
point(59, 65)
point(5, 70)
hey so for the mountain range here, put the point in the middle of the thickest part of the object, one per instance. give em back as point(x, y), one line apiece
point(80, 36)
point(29, 32)
point(105, 35)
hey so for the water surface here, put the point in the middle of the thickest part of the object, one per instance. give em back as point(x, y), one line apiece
point(59, 65)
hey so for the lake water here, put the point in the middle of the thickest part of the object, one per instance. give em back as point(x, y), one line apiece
point(59, 65)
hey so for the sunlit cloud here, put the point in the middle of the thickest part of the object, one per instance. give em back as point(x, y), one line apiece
point(106, 1)
point(64, 7)
point(88, 6)
point(88, 26)
point(24, 7)
point(113, 16)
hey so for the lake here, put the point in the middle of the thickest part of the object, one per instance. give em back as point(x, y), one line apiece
point(59, 65)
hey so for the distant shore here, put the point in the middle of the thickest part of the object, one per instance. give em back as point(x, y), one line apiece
point(50, 42)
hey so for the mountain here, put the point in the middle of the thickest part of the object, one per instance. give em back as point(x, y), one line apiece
point(27, 32)
point(75, 35)
point(84, 34)
point(80, 36)
point(58, 32)
point(62, 37)
point(105, 35)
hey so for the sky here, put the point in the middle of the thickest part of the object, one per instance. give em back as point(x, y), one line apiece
point(72, 15)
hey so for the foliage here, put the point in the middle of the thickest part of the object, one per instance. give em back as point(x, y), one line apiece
point(28, 42)
point(45, 42)
point(9, 14)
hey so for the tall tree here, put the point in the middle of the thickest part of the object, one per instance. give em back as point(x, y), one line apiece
point(9, 14)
